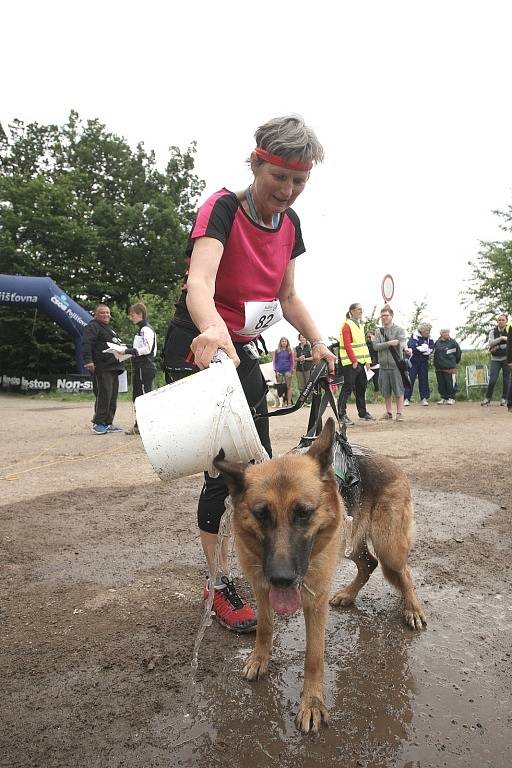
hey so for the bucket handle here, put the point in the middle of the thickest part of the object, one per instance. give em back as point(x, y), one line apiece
point(217, 429)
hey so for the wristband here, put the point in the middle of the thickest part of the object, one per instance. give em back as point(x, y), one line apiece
point(316, 342)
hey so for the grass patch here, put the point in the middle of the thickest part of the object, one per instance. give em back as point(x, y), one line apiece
point(470, 357)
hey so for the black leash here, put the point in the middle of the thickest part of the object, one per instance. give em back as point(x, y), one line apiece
point(345, 463)
point(318, 376)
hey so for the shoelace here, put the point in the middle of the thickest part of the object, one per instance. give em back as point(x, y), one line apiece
point(230, 593)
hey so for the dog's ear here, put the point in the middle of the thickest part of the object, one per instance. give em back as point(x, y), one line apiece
point(233, 473)
point(321, 449)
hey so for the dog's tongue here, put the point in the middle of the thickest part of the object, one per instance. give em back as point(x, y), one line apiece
point(285, 600)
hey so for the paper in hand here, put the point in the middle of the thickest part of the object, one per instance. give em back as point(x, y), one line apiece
point(117, 350)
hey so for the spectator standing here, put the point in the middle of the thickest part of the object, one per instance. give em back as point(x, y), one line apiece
point(422, 346)
point(497, 343)
point(283, 360)
point(390, 377)
point(374, 357)
point(447, 354)
point(303, 362)
point(355, 360)
point(242, 251)
point(104, 368)
point(509, 363)
point(143, 352)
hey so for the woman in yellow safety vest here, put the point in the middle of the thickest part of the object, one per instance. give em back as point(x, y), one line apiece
point(355, 359)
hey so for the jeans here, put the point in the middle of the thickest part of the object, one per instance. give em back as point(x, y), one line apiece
point(419, 368)
point(496, 367)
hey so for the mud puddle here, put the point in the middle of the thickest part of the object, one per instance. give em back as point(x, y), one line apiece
point(440, 697)
point(99, 606)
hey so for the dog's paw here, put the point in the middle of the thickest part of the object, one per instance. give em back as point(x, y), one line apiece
point(415, 618)
point(312, 713)
point(342, 597)
point(255, 666)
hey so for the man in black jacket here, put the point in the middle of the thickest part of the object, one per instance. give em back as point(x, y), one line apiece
point(498, 350)
point(104, 368)
point(509, 363)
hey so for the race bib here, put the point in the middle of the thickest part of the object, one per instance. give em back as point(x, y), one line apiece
point(260, 315)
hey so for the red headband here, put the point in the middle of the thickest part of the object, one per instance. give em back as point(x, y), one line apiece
point(282, 162)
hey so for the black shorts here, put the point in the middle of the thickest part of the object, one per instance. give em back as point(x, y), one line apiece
point(176, 366)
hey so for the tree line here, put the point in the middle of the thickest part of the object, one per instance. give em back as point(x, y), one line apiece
point(489, 289)
point(79, 205)
point(106, 224)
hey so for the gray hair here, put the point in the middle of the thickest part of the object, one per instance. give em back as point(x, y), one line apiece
point(424, 327)
point(289, 137)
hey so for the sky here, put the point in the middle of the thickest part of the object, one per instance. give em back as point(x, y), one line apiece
point(411, 101)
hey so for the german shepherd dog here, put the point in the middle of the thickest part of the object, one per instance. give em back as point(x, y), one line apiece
point(288, 520)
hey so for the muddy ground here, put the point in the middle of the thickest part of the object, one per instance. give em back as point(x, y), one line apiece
point(100, 604)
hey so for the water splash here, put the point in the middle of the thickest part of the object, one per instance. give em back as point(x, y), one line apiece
point(348, 535)
point(223, 539)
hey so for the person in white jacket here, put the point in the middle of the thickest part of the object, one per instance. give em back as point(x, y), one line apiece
point(143, 353)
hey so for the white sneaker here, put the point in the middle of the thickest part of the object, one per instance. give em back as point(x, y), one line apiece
point(424, 401)
point(442, 402)
point(485, 401)
point(503, 401)
point(406, 403)
point(450, 401)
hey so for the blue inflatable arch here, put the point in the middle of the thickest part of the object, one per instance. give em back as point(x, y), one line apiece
point(43, 294)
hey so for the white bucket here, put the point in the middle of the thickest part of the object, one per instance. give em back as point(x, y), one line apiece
point(184, 425)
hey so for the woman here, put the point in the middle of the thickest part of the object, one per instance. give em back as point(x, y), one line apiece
point(284, 364)
point(240, 281)
point(303, 362)
point(355, 360)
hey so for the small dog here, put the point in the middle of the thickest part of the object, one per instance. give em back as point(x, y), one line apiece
point(288, 518)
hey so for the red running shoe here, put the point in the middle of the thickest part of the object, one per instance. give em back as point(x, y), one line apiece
point(231, 611)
